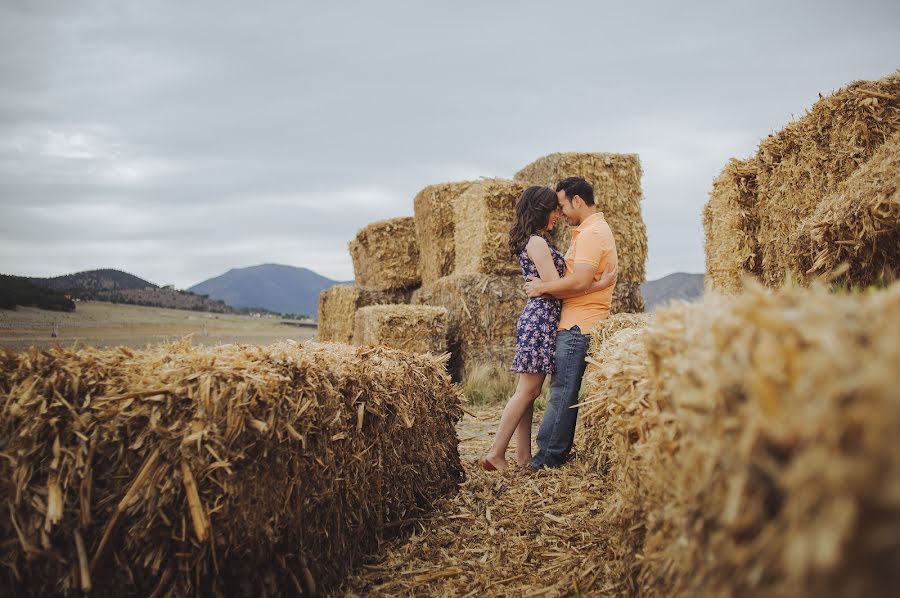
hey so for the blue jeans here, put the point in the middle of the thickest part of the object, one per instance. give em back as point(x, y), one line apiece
point(557, 431)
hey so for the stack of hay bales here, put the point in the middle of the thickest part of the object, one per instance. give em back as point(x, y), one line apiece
point(483, 292)
point(794, 172)
point(435, 229)
point(415, 328)
point(141, 472)
point(482, 315)
point(616, 179)
point(750, 446)
point(386, 267)
point(338, 306)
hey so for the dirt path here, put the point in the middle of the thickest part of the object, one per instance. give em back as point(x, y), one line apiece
point(512, 534)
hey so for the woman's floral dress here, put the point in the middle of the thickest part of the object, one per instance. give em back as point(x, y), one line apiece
point(536, 329)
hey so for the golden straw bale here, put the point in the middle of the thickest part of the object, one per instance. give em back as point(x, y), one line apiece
point(416, 328)
point(483, 311)
point(433, 207)
point(338, 306)
point(730, 225)
point(212, 471)
point(750, 445)
point(483, 216)
point(809, 159)
point(603, 330)
point(386, 255)
point(627, 298)
point(859, 225)
point(616, 179)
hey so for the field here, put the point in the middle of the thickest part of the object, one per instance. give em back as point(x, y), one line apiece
point(104, 324)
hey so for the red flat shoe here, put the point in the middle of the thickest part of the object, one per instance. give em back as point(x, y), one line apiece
point(487, 465)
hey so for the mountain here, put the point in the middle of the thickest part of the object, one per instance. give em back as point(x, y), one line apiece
point(91, 282)
point(122, 287)
point(674, 286)
point(275, 287)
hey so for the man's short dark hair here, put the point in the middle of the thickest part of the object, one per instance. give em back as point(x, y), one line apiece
point(575, 185)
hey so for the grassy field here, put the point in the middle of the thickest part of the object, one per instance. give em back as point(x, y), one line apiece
point(103, 324)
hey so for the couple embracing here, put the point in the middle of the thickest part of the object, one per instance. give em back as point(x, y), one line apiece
point(567, 295)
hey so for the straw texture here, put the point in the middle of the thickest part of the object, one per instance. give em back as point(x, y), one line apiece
point(435, 228)
point(338, 306)
point(415, 328)
point(483, 216)
point(749, 445)
point(483, 311)
point(854, 234)
point(386, 255)
point(214, 471)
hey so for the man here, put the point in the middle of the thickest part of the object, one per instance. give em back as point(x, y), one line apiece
point(591, 256)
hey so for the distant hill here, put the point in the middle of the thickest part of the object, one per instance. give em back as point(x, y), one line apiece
point(275, 287)
point(16, 290)
point(674, 286)
point(87, 284)
point(121, 287)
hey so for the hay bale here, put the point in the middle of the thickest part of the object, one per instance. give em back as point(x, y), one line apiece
point(857, 227)
point(616, 179)
point(433, 208)
point(804, 163)
point(483, 216)
point(483, 311)
point(386, 255)
point(415, 328)
point(750, 446)
point(605, 329)
point(338, 306)
point(730, 226)
point(627, 298)
point(210, 471)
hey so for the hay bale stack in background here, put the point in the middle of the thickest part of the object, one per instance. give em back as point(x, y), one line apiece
point(616, 179)
point(483, 216)
point(433, 207)
point(415, 328)
point(338, 306)
point(750, 445)
point(858, 225)
point(802, 164)
point(199, 471)
point(730, 225)
point(483, 311)
point(386, 255)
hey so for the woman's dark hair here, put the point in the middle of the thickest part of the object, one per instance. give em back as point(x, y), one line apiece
point(533, 210)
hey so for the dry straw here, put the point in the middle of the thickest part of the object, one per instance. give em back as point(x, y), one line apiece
point(435, 228)
point(793, 172)
point(483, 311)
point(730, 225)
point(338, 306)
point(616, 179)
point(416, 328)
point(627, 298)
point(749, 445)
point(483, 216)
point(857, 227)
point(214, 471)
point(386, 255)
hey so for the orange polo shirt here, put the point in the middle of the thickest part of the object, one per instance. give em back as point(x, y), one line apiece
point(592, 243)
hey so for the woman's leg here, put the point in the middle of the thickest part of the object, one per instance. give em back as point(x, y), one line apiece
point(523, 436)
point(527, 390)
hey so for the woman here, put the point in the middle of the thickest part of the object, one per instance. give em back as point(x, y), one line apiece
point(537, 211)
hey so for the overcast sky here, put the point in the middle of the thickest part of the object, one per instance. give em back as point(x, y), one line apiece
point(176, 140)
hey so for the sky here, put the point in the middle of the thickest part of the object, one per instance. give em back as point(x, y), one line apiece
point(177, 140)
